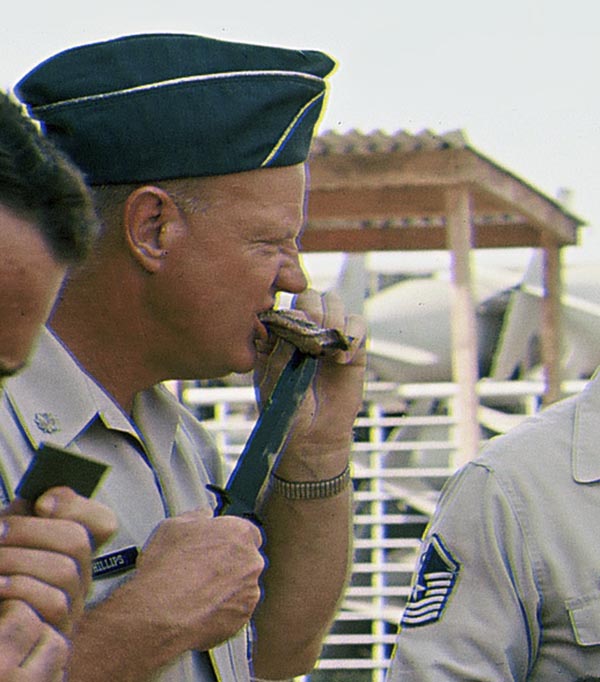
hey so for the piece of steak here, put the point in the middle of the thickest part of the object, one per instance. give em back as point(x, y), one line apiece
point(304, 334)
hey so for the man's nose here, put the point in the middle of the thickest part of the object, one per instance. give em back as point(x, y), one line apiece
point(291, 277)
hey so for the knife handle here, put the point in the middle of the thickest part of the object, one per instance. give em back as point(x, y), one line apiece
point(227, 506)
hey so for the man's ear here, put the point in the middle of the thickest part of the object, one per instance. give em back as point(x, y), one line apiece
point(151, 221)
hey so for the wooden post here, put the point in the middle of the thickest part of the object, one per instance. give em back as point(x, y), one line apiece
point(463, 323)
point(551, 333)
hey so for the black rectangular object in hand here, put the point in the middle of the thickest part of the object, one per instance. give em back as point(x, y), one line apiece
point(53, 466)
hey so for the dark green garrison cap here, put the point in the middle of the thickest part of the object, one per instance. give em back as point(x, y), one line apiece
point(159, 106)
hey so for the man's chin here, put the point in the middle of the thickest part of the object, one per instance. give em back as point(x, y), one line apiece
point(239, 364)
point(9, 370)
point(244, 367)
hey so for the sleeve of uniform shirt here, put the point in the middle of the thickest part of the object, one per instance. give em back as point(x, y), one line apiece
point(472, 614)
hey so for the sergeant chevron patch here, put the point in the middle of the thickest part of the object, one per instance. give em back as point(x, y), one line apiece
point(435, 581)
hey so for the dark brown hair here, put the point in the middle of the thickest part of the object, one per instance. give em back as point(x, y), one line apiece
point(38, 183)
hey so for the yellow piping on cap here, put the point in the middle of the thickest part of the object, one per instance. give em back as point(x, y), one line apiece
point(286, 133)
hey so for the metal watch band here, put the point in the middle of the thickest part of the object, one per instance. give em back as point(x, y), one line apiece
point(310, 490)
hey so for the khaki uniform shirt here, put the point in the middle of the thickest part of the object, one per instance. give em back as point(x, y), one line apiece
point(160, 463)
point(508, 583)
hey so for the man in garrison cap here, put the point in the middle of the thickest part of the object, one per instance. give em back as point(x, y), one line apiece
point(196, 152)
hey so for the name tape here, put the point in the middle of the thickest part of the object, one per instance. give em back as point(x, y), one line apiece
point(109, 565)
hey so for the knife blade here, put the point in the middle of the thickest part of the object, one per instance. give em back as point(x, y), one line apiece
point(267, 439)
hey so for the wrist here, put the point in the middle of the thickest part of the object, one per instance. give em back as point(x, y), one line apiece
point(313, 461)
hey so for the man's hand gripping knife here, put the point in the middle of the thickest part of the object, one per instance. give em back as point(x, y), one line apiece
point(261, 453)
point(318, 447)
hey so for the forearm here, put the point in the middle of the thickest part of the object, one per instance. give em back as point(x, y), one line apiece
point(309, 555)
point(308, 542)
point(120, 640)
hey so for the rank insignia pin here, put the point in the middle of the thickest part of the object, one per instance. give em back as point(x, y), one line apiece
point(46, 422)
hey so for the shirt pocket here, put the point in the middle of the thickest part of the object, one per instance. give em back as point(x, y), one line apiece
point(584, 614)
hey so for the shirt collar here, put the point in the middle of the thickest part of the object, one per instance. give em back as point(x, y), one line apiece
point(586, 434)
point(54, 399)
point(156, 412)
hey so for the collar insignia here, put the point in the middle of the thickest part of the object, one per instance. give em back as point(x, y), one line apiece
point(46, 422)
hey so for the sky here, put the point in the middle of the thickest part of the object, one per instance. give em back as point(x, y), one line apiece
point(519, 77)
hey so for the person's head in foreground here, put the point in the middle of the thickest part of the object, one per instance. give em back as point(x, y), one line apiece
point(46, 224)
